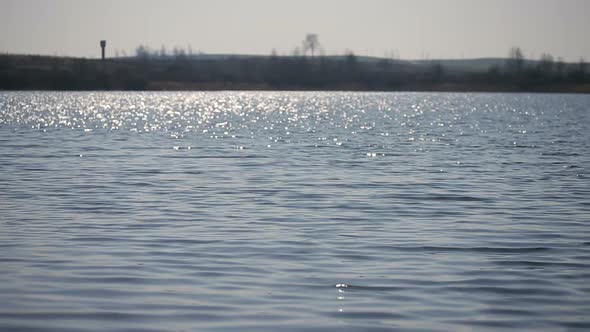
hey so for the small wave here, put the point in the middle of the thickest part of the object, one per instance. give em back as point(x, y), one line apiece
point(499, 250)
point(426, 197)
point(543, 264)
point(349, 287)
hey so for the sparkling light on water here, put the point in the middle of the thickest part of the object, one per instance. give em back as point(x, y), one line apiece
point(273, 211)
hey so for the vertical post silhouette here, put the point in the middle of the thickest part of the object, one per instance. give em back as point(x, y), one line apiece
point(103, 45)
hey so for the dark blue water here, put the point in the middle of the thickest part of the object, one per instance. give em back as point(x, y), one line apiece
point(294, 211)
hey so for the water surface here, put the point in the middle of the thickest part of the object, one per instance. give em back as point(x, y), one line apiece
point(237, 211)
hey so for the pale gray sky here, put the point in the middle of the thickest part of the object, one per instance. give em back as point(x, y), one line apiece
point(412, 28)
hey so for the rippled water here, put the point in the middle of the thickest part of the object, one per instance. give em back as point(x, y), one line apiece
point(294, 211)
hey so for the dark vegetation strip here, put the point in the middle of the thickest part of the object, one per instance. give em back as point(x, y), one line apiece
point(352, 73)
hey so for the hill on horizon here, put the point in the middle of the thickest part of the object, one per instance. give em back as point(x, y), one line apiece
point(152, 71)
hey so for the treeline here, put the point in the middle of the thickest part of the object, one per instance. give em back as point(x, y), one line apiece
point(181, 70)
point(525, 74)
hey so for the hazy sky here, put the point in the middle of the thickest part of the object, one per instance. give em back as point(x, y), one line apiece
point(411, 28)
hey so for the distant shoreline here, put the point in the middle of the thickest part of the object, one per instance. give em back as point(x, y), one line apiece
point(166, 86)
point(272, 73)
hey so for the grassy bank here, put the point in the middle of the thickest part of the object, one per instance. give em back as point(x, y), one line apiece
point(25, 72)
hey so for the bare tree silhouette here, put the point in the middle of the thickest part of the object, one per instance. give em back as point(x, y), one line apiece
point(515, 61)
point(311, 43)
point(546, 63)
point(142, 52)
point(582, 66)
point(560, 66)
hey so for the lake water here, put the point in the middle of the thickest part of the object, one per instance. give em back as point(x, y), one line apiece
point(248, 211)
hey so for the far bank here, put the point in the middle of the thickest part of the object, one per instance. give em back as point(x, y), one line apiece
point(327, 73)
